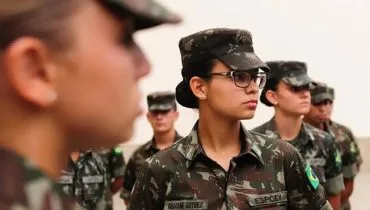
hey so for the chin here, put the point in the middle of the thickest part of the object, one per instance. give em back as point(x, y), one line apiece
point(247, 116)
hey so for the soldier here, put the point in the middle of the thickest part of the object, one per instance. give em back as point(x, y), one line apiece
point(287, 90)
point(115, 165)
point(221, 165)
point(162, 115)
point(85, 180)
point(68, 73)
point(322, 98)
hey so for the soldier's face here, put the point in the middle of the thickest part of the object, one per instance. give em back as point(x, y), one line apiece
point(228, 100)
point(98, 91)
point(162, 121)
point(292, 100)
point(320, 112)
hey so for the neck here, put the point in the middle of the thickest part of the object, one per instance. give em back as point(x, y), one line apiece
point(164, 140)
point(36, 140)
point(219, 134)
point(287, 125)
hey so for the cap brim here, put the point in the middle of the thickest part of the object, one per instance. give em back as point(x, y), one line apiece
point(145, 13)
point(298, 80)
point(160, 107)
point(243, 61)
point(321, 97)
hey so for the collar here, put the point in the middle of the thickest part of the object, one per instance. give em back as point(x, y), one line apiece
point(151, 144)
point(192, 146)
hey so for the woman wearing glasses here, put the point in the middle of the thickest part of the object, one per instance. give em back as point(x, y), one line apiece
point(220, 164)
point(288, 91)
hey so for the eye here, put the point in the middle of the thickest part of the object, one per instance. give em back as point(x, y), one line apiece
point(242, 76)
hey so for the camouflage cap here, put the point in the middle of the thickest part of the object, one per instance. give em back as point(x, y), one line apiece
point(293, 73)
point(321, 92)
point(146, 13)
point(161, 101)
point(233, 47)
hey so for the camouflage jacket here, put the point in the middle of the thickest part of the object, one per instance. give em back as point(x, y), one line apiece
point(319, 150)
point(135, 162)
point(115, 165)
point(24, 187)
point(85, 180)
point(348, 146)
point(268, 174)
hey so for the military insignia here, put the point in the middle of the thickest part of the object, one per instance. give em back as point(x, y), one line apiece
point(117, 151)
point(314, 181)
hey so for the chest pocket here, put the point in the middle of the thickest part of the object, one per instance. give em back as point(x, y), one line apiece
point(93, 187)
point(272, 201)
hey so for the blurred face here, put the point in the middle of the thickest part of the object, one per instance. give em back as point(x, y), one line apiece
point(225, 98)
point(97, 80)
point(162, 121)
point(320, 112)
point(290, 99)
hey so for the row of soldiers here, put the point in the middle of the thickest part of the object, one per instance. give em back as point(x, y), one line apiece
point(63, 96)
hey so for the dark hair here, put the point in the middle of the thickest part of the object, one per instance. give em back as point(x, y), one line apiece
point(184, 95)
point(271, 84)
point(43, 19)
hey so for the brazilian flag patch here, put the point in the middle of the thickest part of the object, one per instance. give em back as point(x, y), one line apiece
point(314, 181)
point(118, 151)
point(353, 147)
point(338, 159)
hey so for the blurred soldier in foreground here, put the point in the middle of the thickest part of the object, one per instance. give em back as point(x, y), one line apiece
point(322, 98)
point(66, 68)
point(162, 116)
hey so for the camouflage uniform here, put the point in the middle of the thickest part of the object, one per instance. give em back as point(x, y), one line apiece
point(267, 173)
point(344, 137)
point(86, 181)
point(23, 186)
point(318, 149)
point(156, 101)
point(115, 165)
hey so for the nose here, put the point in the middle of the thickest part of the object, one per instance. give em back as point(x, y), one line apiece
point(305, 94)
point(252, 88)
point(141, 63)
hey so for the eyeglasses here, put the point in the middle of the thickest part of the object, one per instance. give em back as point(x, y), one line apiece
point(299, 88)
point(242, 79)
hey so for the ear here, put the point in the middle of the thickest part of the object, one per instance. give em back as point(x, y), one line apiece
point(30, 72)
point(199, 87)
point(271, 97)
point(148, 116)
point(176, 115)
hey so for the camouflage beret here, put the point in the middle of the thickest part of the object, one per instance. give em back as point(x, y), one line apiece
point(145, 13)
point(233, 47)
point(321, 92)
point(293, 73)
point(163, 100)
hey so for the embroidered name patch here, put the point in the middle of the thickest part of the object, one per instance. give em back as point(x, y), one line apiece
point(185, 204)
point(267, 199)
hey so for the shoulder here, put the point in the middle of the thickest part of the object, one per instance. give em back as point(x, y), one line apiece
point(261, 128)
point(317, 134)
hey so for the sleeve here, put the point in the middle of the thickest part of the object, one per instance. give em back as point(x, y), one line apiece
point(148, 189)
point(304, 189)
point(333, 168)
point(117, 163)
point(129, 179)
point(355, 148)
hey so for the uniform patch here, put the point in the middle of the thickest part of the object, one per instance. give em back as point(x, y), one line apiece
point(314, 181)
point(316, 161)
point(338, 159)
point(65, 180)
point(267, 199)
point(92, 179)
point(118, 151)
point(353, 147)
point(185, 204)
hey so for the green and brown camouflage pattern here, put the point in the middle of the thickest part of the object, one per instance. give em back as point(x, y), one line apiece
point(86, 181)
point(318, 149)
point(268, 174)
point(135, 162)
point(24, 187)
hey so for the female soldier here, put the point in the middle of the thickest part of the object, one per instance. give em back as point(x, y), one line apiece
point(68, 80)
point(221, 165)
point(287, 89)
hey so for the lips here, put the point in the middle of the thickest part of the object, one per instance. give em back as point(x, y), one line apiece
point(252, 104)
